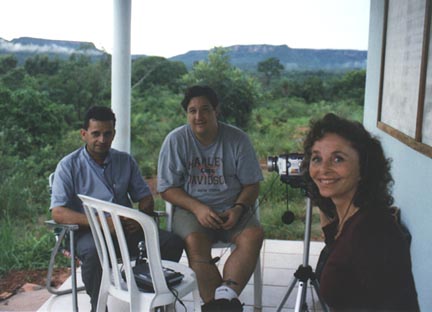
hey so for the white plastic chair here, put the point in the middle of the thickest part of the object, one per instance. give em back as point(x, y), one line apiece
point(63, 234)
point(257, 276)
point(112, 283)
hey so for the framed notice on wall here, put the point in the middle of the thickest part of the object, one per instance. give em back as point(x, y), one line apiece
point(405, 108)
point(427, 110)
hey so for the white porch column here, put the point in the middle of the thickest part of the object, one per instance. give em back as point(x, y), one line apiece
point(121, 73)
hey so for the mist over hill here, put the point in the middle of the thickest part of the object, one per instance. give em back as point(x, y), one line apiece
point(245, 57)
point(25, 47)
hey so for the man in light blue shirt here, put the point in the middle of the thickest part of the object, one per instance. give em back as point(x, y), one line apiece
point(104, 173)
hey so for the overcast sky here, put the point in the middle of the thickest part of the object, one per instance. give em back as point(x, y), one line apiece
point(171, 27)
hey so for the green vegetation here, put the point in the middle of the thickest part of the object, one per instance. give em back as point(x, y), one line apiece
point(42, 103)
point(270, 68)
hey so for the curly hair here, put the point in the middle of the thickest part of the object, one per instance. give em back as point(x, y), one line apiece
point(374, 189)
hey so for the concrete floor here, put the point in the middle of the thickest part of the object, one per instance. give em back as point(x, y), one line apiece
point(280, 259)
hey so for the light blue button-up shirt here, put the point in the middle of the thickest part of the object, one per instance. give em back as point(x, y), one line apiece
point(117, 180)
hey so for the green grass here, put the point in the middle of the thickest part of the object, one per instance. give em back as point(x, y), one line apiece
point(275, 199)
point(24, 245)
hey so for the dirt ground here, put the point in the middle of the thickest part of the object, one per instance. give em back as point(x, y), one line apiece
point(12, 282)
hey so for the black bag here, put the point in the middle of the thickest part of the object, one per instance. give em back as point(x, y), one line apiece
point(143, 278)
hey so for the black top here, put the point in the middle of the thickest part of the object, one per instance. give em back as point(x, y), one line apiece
point(368, 267)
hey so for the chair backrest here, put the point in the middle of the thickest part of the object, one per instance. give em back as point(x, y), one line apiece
point(100, 214)
point(50, 182)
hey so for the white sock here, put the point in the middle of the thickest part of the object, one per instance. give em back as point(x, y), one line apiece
point(225, 292)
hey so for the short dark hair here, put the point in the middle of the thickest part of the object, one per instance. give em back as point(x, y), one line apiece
point(100, 113)
point(374, 189)
point(196, 91)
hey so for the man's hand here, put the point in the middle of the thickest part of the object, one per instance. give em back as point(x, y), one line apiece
point(148, 211)
point(208, 218)
point(231, 216)
point(130, 225)
point(146, 205)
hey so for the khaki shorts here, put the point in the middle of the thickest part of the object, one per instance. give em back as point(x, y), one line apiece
point(185, 223)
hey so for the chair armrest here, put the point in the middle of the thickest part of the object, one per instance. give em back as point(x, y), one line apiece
point(157, 214)
point(160, 213)
point(69, 227)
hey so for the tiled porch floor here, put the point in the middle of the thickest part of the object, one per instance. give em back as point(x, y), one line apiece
point(279, 260)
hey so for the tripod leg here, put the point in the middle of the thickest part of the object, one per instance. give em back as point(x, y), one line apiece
point(315, 284)
point(301, 297)
point(304, 273)
point(294, 281)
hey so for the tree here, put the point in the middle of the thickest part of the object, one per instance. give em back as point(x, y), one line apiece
point(156, 71)
point(237, 91)
point(271, 68)
point(11, 76)
point(14, 79)
point(154, 114)
point(28, 121)
point(7, 63)
point(313, 89)
point(81, 83)
point(351, 86)
point(41, 64)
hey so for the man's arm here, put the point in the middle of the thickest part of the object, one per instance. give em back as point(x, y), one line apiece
point(65, 215)
point(146, 204)
point(249, 194)
point(246, 198)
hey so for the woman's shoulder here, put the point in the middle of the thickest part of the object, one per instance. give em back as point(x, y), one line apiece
point(378, 228)
point(366, 222)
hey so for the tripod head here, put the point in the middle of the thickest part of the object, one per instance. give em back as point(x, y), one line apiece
point(289, 168)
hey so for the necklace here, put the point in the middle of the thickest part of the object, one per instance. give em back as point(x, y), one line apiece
point(343, 219)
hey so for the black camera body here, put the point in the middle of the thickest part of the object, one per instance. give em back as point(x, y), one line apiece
point(288, 166)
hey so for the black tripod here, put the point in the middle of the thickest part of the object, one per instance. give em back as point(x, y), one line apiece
point(304, 273)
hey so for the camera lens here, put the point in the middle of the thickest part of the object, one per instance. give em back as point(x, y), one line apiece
point(272, 163)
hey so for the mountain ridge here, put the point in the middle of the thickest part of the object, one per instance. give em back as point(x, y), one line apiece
point(245, 57)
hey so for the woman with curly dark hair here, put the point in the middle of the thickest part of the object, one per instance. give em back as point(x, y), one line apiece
point(367, 263)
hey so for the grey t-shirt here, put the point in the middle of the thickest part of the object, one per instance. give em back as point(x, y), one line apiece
point(213, 174)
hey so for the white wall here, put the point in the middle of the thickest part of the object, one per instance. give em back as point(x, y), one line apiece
point(411, 170)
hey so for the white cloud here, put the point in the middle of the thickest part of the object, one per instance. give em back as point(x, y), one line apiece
point(46, 48)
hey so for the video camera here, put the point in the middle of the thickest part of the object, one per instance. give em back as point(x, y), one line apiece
point(289, 168)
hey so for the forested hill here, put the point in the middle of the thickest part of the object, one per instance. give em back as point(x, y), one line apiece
point(25, 47)
point(248, 56)
point(245, 57)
